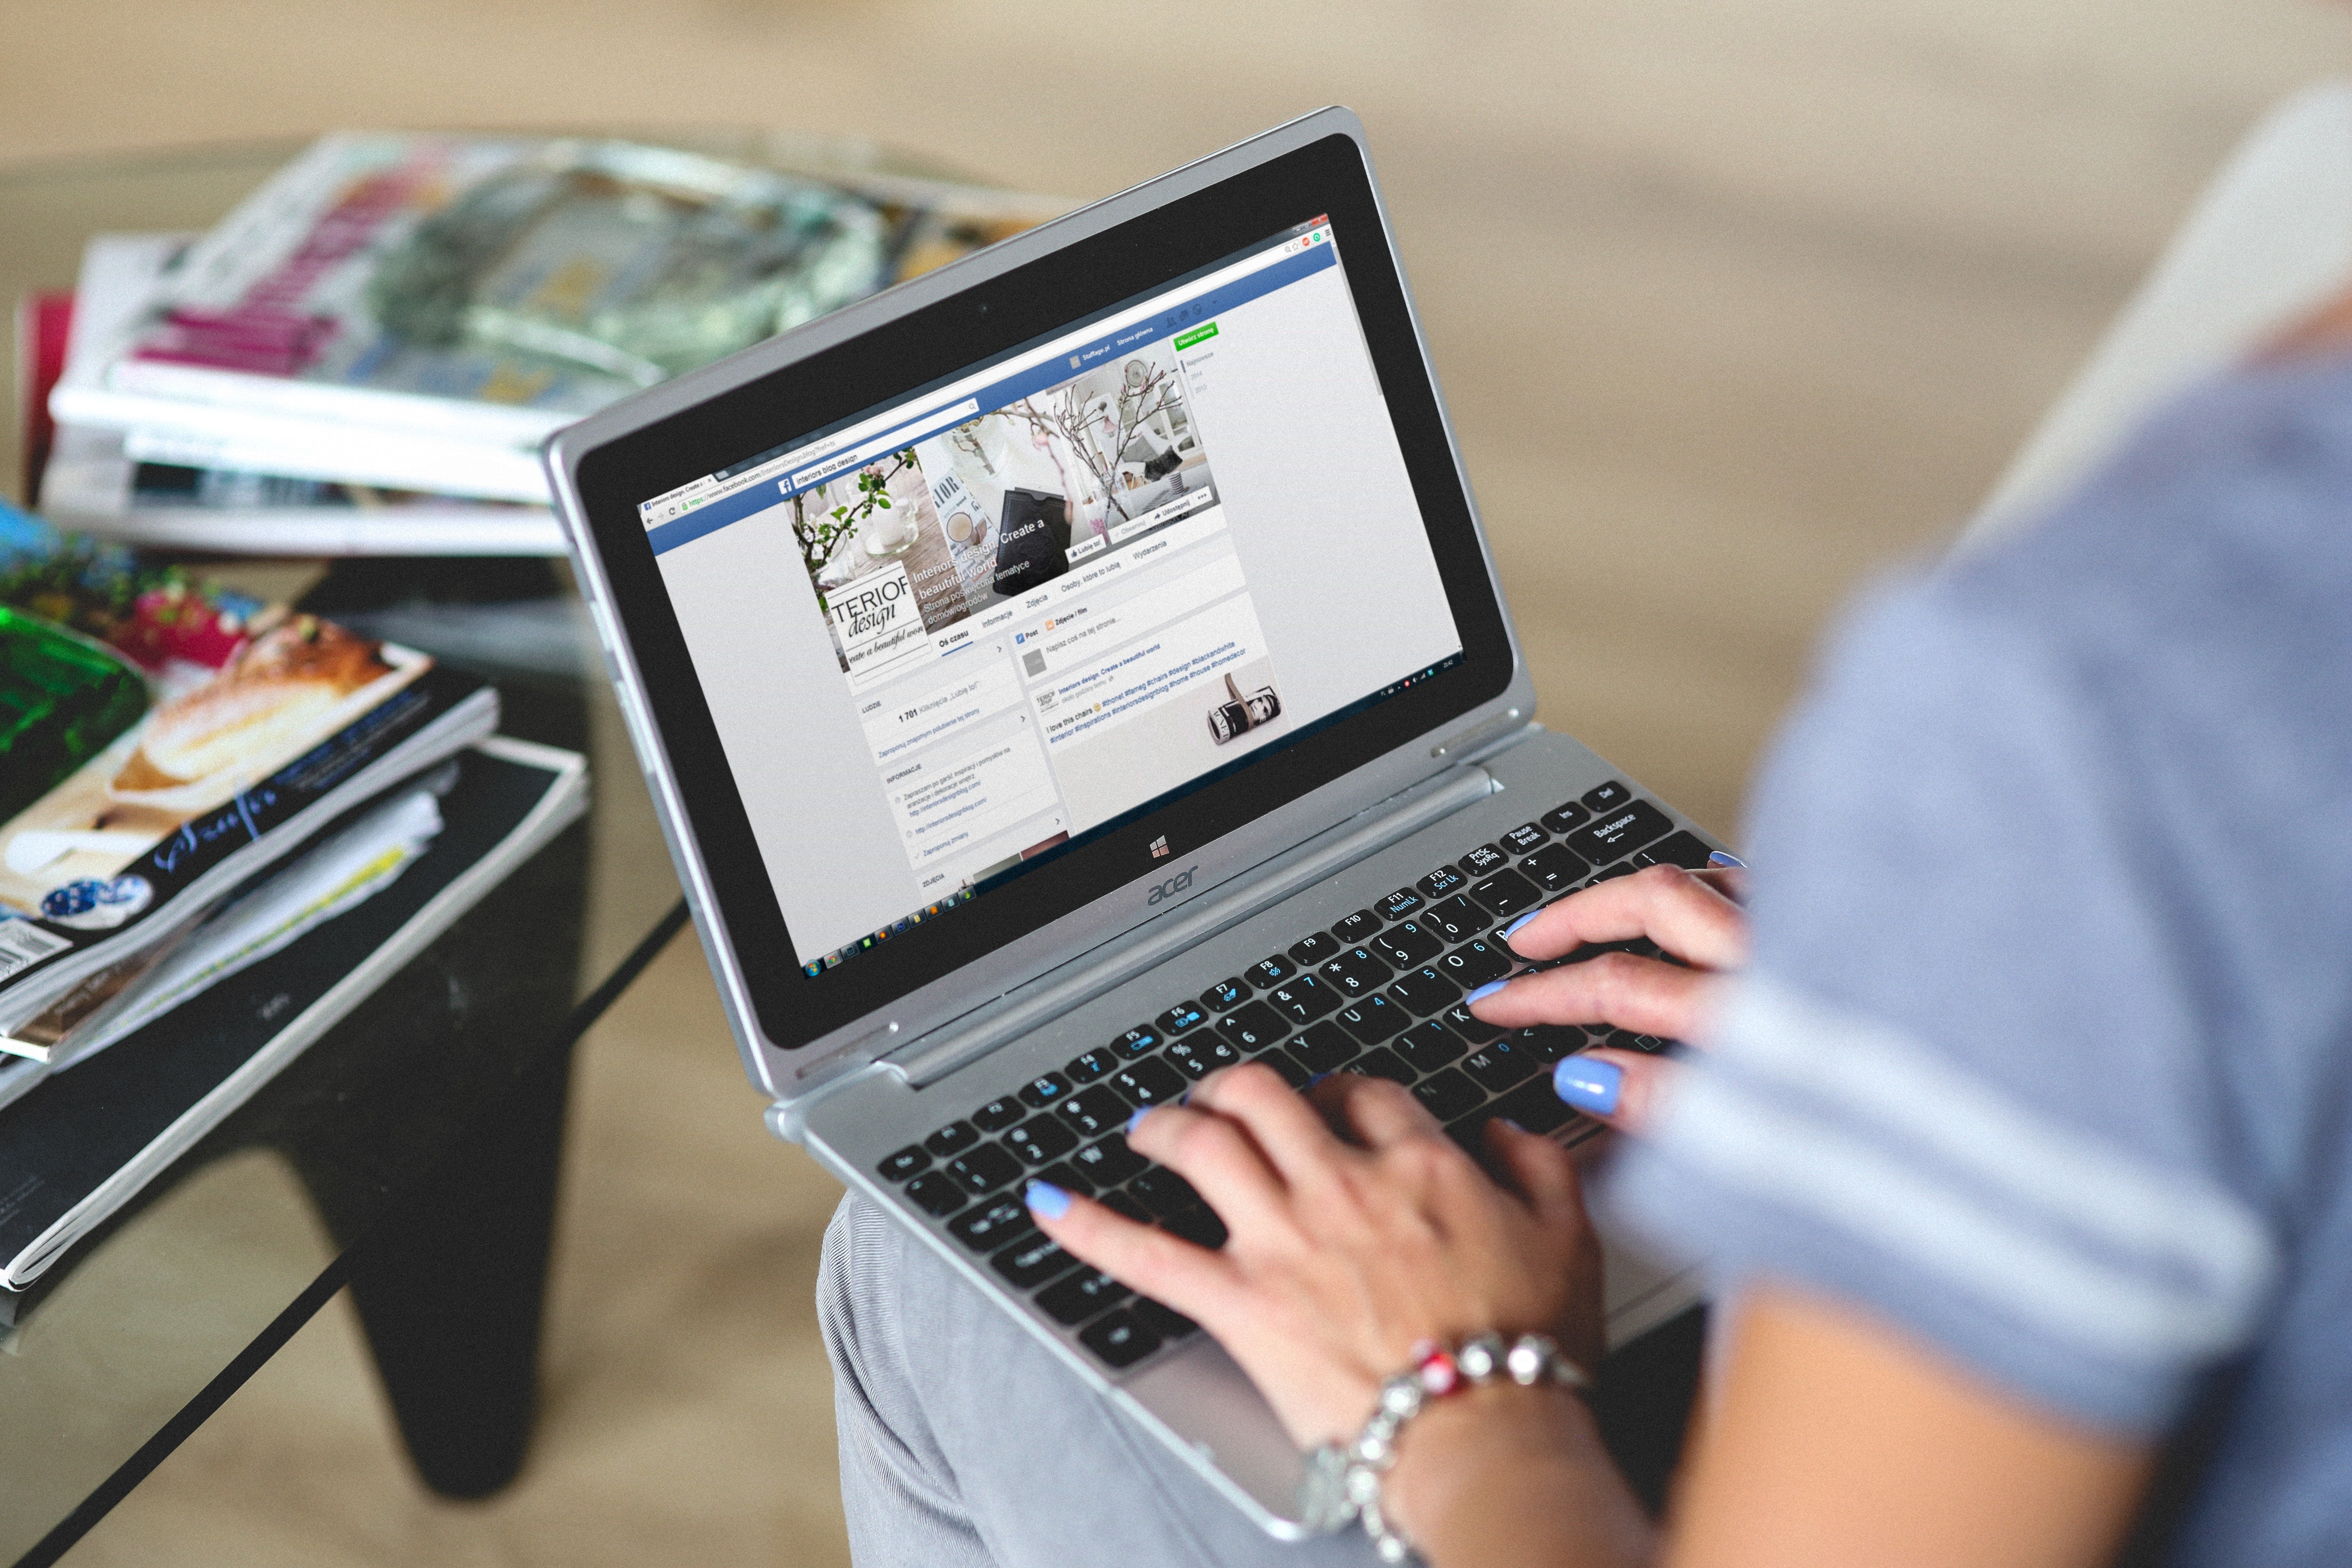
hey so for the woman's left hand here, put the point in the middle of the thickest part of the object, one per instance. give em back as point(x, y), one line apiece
point(1343, 1255)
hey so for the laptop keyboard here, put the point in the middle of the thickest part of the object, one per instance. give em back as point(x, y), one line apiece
point(1378, 993)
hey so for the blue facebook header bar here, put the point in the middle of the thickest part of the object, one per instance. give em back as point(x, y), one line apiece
point(1175, 317)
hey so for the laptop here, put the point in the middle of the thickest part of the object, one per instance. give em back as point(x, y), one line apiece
point(1074, 671)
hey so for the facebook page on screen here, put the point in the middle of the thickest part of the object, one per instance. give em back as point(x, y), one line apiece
point(969, 631)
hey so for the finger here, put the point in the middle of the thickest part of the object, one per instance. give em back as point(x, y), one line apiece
point(1296, 1144)
point(1622, 989)
point(1218, 1156)
point(1379, 1111)
point(1194, 1281)
point(1625, 1089)
point(1683, 911)
point(1541, 1169)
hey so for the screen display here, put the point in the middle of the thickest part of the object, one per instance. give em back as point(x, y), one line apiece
point(953, 639)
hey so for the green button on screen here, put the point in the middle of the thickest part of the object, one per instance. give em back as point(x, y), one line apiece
point(1197, 335)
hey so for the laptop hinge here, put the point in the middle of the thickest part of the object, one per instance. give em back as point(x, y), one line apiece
point(926, 1059)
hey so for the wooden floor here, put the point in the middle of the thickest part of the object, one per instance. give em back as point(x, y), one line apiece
point(1735, 301)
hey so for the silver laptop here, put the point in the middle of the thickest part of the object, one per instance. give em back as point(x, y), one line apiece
point(1078, 669)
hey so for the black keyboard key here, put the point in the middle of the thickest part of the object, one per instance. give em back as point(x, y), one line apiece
point(1029, 1263)
point(1500, 1067)
point(952, 1139)
point(1120, 1204)
point(1506, 893)
point(1356, 972)
point(1142, 1040)
point(1046, 1090)
point(1555, 867)
point(1304, 999)
point(1399, 904)
point(904, 1163)
point(1090, 1066)
point(1611, 875)
point(1535, 1107)
point(1198, 1224)
point(1448, 1094)
point(1474, 964)
point(1621, 832)
point(1198, 1056)
point(1225, 994)
point(1253, 1026)
point(1469, 1025)
point(1182, 1016)
point(1081, 1296)
point(1606, 797)
point(1358, 926)
point(1385, 1063)
point(1272, 970)
point(1375, 1020)
point(1483, 861)
point(1455, 920)
point(1313, 948)
point(1166, 1322)
point(999, 1114)
point(1423, 992)
point(1546, 1043)
point(1324, 1047)
point(1109, 1163)
point(1290, 1071)
point(1042, 1139)
point(1095, 1109)
point(993, 1224)
point(1525, 839)
point(1408, 943)
point(1569, 814)
point(936, 1194)
point(1444, 881)
point(1118, 1340)
point(1684, 850)
point(982, 1170)
point(1065, 1176)
point(1162, 1191)
point(1153, 1082)
point(1428, 1046)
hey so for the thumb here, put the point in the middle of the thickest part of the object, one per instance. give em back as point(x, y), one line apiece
point(1625, 1089)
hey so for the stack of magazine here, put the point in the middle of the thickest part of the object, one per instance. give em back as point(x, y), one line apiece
point(365, 355)
point(192, 784)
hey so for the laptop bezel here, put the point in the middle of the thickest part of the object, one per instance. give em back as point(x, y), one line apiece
point(794, 1030)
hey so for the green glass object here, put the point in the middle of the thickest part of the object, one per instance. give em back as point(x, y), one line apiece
point(63, 699)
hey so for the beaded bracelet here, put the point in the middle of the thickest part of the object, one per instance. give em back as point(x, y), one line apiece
point(1342, 1481)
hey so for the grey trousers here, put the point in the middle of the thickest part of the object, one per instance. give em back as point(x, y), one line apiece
point(963, 1442)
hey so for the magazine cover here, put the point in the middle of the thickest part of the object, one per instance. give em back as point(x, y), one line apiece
point(160, 741)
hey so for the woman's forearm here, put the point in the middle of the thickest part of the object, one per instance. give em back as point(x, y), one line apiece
point(1505, 1477)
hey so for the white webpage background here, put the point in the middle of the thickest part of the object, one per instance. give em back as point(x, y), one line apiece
point(1320, 511)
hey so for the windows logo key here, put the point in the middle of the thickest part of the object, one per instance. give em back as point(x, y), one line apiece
point(1160, 848)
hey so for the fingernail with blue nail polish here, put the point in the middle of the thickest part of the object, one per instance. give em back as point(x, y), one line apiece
point(1588, 1085)
point(1513, 929)
point(1318, 1078)
point(1725, 857)
point(1511, 1124)
point(1046, 1200)
point(1135, 1120)
point(1486, 990)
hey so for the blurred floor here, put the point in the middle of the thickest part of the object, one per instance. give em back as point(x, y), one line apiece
point(1735, 301)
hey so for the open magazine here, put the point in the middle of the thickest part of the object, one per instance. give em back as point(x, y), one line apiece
point(159, 744)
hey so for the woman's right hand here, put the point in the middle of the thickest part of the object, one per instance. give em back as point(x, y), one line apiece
point(1693, 915)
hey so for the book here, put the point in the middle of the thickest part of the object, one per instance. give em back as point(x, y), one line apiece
point(97, 1134)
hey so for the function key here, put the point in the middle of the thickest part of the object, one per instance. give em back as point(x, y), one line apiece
point(1090, 1066)
point(1485, 860)
point(1044, 1090)
point(1225, 994)
point(985, 1170)
point(1358, 926)
point(1505, 894)
point(1621, 832)
point(999, 1114)
point(1042, 1139)
point(935, 1194)
point(1182, 1016)
point(1607, 797)
point(1118, 1340)
point(904, 1163)
point(1139, 1041)
point(952, 1139)
point(1080, 1296)
point(1555, 867)
point(1313, 948)
point(1683, 849)
point(1568, 815)
point(1268, 972)
point(1399, 904)
point(1524, 839)
point(1444, 881)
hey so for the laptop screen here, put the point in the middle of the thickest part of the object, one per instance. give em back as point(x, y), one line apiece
point(960, 634)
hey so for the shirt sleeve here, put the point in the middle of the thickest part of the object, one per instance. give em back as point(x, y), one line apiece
point(1965, 1085)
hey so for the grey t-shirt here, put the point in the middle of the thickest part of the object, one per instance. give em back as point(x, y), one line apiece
point(2046, 1053)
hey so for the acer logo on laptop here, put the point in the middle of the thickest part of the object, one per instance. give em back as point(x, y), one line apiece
point(1172, 886)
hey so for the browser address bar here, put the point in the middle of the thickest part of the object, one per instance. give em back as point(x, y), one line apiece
point(905, 435)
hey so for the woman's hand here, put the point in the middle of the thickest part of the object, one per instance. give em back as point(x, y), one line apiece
point(1693, 915)
point(1343, 1255)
